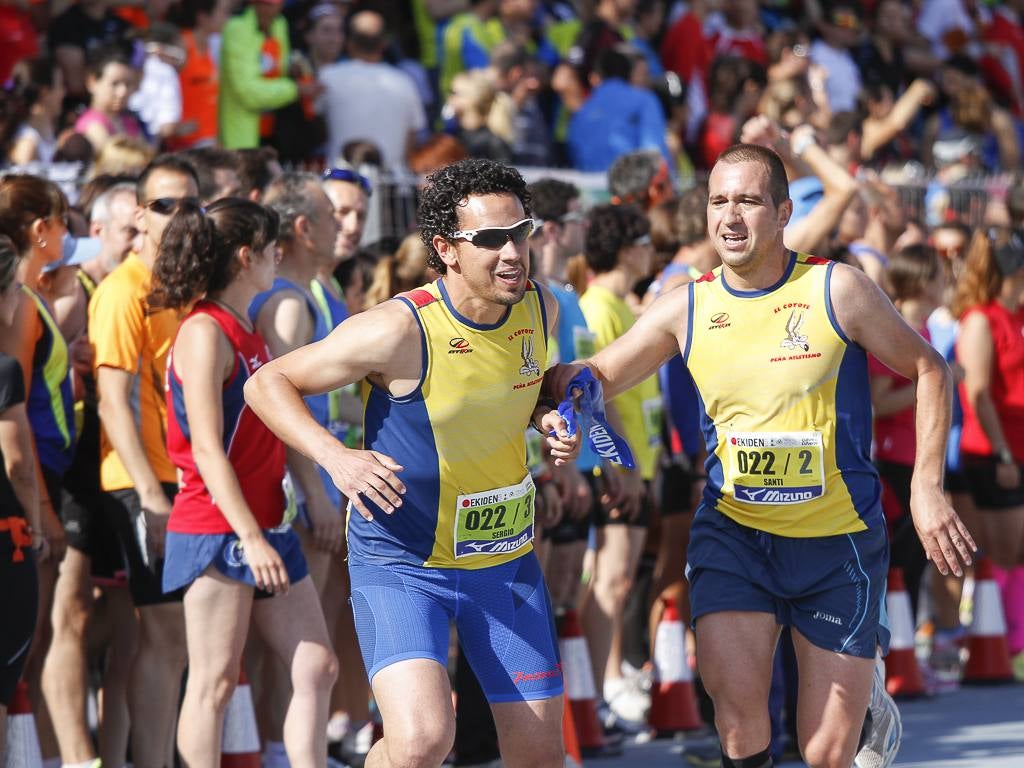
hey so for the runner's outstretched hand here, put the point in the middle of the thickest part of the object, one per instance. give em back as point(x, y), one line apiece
point(945, 538)
point(367, 476)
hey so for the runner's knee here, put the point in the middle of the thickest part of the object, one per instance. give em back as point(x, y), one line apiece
point(314, 668)
point(70, 614)
point(212, 689)
point(822, 750)
point(423, 744)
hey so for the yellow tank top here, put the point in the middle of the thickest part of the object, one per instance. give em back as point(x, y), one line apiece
point(460, 438)
point(785, 405)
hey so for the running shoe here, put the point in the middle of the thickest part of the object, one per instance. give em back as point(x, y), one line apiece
point(627, 699)
point(885, 730)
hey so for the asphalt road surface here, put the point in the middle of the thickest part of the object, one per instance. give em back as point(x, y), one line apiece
point(969, 728)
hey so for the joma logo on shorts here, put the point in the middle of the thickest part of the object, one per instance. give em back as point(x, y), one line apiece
point(822, 616)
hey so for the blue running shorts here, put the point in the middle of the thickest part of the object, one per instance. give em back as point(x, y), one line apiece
point(502, 613)
point(187, 555)
point(830, 588)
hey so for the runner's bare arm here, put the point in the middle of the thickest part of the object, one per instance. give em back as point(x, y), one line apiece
point(659, 333)
point(286, 324)
point(381, 344)
point(868, 318)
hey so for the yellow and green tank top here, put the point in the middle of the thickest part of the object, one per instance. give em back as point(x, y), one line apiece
point(459, 435)
point(50, 401)
point(785, 405)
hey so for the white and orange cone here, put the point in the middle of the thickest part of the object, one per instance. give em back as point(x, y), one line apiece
point(902, 674)
point(22, 744)
point(579, 684)
point(573, 753)
point(240, 743)
point(988, 658)
point(673, 701)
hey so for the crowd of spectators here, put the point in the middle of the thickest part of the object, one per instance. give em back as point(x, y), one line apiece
point(543, 83)
point(857, 99)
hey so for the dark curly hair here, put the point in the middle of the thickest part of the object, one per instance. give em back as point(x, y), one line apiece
point(449, 188)
point(197, 251)
point(612, 228)
point(551, 198)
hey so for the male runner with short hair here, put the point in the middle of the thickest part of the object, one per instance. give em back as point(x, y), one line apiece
point(131, 342)
point(790, 530)
point(442, 491)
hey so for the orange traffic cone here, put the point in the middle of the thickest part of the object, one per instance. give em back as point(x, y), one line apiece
point(579, 685)
point(989, 656)
point(240, 742)
point(902, 674)
point(573, 755)
point(22, 745)
point(673, 702)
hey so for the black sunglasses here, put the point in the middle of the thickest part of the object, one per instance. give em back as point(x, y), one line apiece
point(344, 174)
point(165, 206)
point(494, 238)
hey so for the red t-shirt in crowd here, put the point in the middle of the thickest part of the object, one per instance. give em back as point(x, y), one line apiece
point(1007, 385)
point(255, 453)
point(18, 39)
point(895, 434)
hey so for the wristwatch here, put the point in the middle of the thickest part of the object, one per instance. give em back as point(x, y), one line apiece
point(1005, 457)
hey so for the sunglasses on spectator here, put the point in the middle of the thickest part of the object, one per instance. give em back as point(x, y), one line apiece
point(641, 241)
point(165, 206)
point(344, 174)
point(493, 238)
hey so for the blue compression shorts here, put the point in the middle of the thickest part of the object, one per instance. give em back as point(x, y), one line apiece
point(830, 588)
point(502, 614)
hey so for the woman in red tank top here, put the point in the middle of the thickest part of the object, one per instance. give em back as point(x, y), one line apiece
point(990, 306)
point(229, 539)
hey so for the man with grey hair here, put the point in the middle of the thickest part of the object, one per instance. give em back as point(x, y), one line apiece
point(287, 316)
point(113, 224)
point(93, 552)
point(640, 178)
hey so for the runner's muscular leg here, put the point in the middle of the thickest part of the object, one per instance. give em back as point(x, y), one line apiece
point(834, 693)
point(415, 700)
point(530, 733)
point(735, 650)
